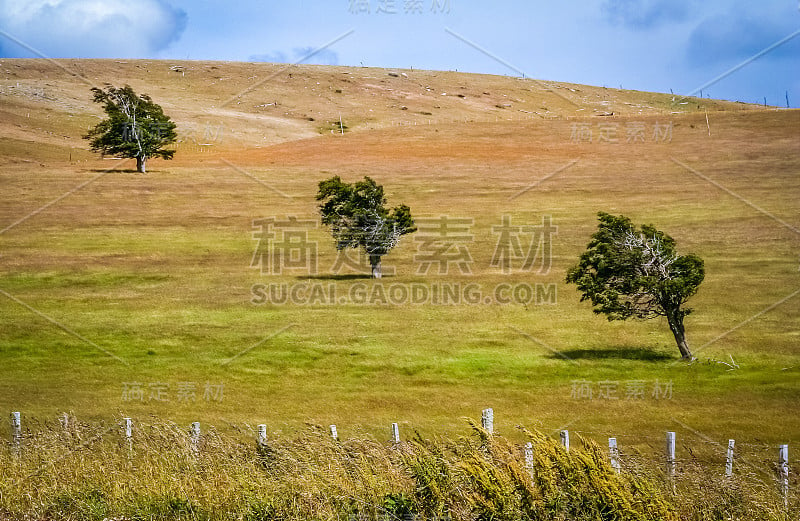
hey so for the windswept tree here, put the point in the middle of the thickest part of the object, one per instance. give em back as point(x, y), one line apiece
point(136, 127)
point(358, 218)
point(630, 273)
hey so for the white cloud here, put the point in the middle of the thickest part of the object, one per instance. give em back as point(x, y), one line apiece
point(645, 14)
point(318, 56)
point(735, 36)
point(89, 28)
point(301, 55)
point(275, 57)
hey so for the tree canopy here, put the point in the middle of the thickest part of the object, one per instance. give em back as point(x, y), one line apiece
point(630, 273)
point(358, 218)
point(136, 127)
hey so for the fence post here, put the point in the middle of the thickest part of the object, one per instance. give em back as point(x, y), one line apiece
point(395, 433)
point(334, 434)
point(671, 454)
point(529, 456)
point(195, 437)
point(487, 420)
point(16, 432)
point(261, 437)
point(729, 459)
point(565, 439)
point(614, 453)
point(127, 425)
point(783, 467)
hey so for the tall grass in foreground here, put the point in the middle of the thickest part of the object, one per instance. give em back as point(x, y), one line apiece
point(94, 474)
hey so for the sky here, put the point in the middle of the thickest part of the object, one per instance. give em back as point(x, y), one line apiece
point(727, 48)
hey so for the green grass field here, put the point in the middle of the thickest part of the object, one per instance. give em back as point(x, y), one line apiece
point(147, 279)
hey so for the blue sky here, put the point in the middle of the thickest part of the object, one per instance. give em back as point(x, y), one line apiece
point(654, 45)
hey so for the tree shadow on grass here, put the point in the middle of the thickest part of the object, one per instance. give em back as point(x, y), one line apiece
point(120, 171)
point(621, 353)
point(346, 276)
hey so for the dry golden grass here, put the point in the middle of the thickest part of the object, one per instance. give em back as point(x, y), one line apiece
point(90, 472)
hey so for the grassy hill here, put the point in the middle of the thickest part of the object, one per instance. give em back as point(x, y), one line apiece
point(111, 278)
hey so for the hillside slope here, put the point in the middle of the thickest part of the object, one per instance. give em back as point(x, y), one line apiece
point(257, 104)
point(158, 269)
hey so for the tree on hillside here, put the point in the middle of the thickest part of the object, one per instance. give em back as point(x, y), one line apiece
point(136, 127)
point(630, 273)
point(357, 217)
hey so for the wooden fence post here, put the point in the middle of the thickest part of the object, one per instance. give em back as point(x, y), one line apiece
point(16, 432)
point(395, 433)
point(614, 453)
point(565, 439)
point(334, 434)
point(195, 437)
point(261, 437)
point(729, 459)
point(783, 467)
point(487, 420)
point(671, 454)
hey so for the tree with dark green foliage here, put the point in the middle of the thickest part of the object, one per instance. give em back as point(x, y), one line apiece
point(358, 218)
point(136, 126)
point(630, 273)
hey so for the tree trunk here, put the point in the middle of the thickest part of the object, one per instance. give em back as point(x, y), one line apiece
point(375, 262)
point(140, 164)
point(676, 326)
